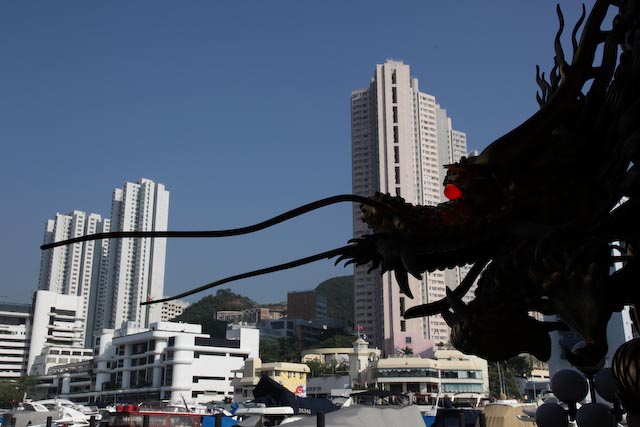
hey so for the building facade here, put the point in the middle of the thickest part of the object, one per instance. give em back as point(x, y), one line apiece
point(78, 269)
point(171, 309)
point(15, 330)
point(136, 266)
point(309, 331)
point(307, 305)
point(168, 361)
point(111, 276)
point(400, 139)
point(249, 316)
point(445, 372)
point(58, 325)
point(292, 376)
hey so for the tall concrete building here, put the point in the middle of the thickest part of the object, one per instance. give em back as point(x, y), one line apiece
point(78, 269)
point(400, 139)
point(136, 266)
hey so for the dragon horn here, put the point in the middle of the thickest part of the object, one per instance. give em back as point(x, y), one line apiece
point(457, 305)
point(403, 281)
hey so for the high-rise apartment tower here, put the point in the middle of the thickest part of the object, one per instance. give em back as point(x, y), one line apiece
point(136, 266)
point(400, 139)
point(78, 269)
point(109, 277)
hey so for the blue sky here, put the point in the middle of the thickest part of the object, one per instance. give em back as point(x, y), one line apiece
point(241, 108)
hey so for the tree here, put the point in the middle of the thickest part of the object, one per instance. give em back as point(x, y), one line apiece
point(13, 391)
point(510, 369)
point(319, 369)
point(204, 311)
point(280, 349)
point(269, 350)
point(339, 294)
point(316, 368)
point(336, 341)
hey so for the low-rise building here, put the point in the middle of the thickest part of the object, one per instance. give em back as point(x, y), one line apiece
point(404, 375)
point(15, 326)
point(309, 331)
point(448, 372)
point(293, 376)
point(57, 323)
point(462, 373)
point(251, 316)
point(168, 361)
point(307, 305)
point(171, 309)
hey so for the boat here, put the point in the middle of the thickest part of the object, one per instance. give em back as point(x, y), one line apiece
point(163, 416)
point(86, 411)
point(273, 404)
point(258, 414)
point(454, 404)
point(367, 416)
point(35, 414)
point(508, 413)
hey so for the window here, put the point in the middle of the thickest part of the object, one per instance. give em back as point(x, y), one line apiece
point(403, 326)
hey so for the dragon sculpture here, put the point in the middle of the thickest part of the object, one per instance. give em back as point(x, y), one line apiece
point(538, 213)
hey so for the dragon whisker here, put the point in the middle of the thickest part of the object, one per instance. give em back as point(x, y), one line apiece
point(230, 232)
point(291, 264)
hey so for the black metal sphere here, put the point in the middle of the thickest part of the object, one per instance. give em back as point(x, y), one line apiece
point(625, 368)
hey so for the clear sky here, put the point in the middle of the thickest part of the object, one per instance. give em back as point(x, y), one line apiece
point(241, 108)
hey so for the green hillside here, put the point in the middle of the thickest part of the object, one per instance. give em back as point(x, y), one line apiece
point(339, 294)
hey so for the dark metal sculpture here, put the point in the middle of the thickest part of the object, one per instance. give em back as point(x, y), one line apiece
point(538, 212)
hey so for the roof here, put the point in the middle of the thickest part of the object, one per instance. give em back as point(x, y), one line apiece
point(284, 366)
point(406, 362)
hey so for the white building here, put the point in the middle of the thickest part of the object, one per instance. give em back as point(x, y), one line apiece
point(15, 327)
point(171, 309)
point(462, 373)
point(446, 372)
point(57, 326)
point(358, 358)
point(619, 331)
point(136, 266)
point(400, 139)
point(78, 269)
point(61, 370)
point(168, 361)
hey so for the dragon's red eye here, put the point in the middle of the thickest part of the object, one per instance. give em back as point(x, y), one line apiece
point(452, 192)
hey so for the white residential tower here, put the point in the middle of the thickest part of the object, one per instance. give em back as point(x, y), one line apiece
point(400, 139)
point(136, 266)
point(78, 269)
